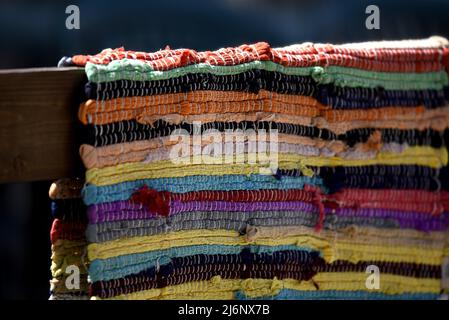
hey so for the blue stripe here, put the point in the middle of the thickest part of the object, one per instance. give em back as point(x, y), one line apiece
point(290, 294)
point(122, 191)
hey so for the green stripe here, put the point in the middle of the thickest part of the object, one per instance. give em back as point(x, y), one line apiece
point(127, 69)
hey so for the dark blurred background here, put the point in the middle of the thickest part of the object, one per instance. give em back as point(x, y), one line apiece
point(33, 34)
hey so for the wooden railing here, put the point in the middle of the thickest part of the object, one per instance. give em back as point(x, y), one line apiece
point(38, 123)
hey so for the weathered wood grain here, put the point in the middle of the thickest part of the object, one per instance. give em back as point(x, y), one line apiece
point(38, 123)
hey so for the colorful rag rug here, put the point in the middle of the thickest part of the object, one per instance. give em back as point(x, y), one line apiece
point(68, 241)
point(313, 171)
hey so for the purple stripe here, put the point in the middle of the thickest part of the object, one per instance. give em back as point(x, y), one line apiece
point(124, 210)
point(178, 207)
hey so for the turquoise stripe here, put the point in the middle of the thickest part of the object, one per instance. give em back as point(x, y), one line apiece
point(121, 266)
point(341, 76)
point(290, 294)
point(122, 191)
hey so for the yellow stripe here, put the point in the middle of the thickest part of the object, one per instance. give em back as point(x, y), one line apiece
point(425, 156)
point(225, 288)
point(351, 233)
point(351, 244)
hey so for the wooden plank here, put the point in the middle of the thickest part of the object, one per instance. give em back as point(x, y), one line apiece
point(38, 123)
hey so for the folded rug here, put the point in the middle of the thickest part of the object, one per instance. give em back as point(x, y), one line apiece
point(262, 173)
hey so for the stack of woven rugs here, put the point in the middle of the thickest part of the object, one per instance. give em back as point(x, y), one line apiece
point(313, 171)
point(68, 239)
